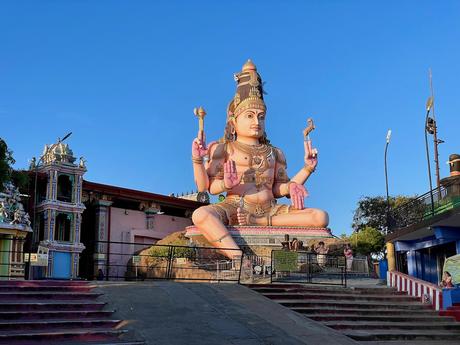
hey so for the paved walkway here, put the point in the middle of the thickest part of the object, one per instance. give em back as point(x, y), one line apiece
point(165, 312)
point(366, 283)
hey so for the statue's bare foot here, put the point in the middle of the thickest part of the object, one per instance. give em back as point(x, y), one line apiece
point(244, 217)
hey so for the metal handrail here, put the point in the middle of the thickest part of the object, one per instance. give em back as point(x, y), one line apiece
point(420, 208)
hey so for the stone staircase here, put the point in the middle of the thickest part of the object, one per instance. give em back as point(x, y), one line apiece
point(56, 312)
point(368, 315)
point(453, 311)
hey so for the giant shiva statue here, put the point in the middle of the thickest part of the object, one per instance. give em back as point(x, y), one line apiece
point(250, 170)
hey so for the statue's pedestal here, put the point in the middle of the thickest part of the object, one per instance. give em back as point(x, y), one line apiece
point(262, 239)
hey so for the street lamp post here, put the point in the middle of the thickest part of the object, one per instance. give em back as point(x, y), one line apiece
point(386, 177)
point(429, 105)
point(432, 129)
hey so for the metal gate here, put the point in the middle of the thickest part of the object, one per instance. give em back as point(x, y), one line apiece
point(308, 268)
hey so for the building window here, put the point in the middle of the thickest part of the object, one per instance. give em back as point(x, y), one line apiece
point(401, 262)
point(41, 226)
point(64, 188)
point(42, 186)
point(63, 224)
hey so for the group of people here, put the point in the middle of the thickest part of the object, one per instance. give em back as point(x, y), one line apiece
point(322, 250)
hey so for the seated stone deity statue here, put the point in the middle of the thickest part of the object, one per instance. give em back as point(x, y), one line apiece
point(251, 171)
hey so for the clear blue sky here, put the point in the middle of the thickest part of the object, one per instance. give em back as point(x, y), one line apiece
point(124, 76)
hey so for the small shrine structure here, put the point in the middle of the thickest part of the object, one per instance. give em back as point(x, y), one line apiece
point(14, 227)
point(58, 210)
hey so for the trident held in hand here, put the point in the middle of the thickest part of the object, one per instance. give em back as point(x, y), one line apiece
point(309, 129)
point(306, 135)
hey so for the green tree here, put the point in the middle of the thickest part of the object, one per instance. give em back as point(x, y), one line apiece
point(368, 241)
point(6, 161)
point(372, 212)
point(20, 178)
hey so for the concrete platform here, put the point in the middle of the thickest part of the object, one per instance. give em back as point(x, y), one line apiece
point(268, 236)
point(165, 312)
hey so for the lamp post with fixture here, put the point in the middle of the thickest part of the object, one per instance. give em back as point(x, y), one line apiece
point(386, 177)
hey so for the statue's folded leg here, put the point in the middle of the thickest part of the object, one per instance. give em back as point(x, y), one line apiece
point(307, 217)
point(210, 224)
point(284, 215)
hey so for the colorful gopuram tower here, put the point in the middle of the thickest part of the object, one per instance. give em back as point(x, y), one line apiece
point(59, 209)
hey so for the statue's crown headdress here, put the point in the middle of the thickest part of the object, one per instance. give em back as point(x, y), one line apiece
point(249, 91)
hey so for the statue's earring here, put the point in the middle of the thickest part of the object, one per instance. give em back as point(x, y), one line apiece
point(233, 132)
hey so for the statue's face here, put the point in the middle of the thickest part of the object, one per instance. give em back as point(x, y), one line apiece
point(250, 123)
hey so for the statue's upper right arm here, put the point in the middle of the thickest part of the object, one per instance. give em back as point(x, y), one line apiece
point(217, 152)
point(217, 155)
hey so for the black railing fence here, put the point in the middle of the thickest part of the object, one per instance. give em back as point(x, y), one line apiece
point(308, 267)
point(140, 261)
point(430, 204)
point(256, 269)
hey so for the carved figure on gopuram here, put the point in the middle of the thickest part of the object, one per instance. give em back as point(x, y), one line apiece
point(250, 170)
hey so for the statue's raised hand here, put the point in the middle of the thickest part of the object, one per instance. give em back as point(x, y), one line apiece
point(298, 193)
point(311, 156)
point(199, 147)
point(231, 178)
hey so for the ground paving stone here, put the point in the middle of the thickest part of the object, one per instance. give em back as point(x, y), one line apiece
point(165, 312)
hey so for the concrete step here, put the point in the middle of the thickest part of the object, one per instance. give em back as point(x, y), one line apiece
point(50, 314)
point(367, 314)
point(395, 326)
point(379, 317)
point(417, 335)
point(51, 305)
point(452, 313)
point(342, 297)
point(112, 341)
point(57, 312)
point(47, 295)
point(57, 324)
point(46, 288)
point(44, 282)
point(321, 290)
point(60, 335)
point(410, 342)
point(377, 290)
point(365, 305)
point(360, 311)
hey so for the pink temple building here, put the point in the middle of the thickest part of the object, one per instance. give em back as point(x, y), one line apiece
point(119, 222)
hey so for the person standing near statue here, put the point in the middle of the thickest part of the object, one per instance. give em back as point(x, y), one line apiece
point(321, 250)
point(250, 170)
point(348, 252)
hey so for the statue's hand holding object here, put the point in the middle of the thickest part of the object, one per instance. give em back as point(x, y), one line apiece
point(199, 148)
point(311, 154)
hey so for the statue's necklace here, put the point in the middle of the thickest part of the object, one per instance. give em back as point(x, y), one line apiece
point(257, 153)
